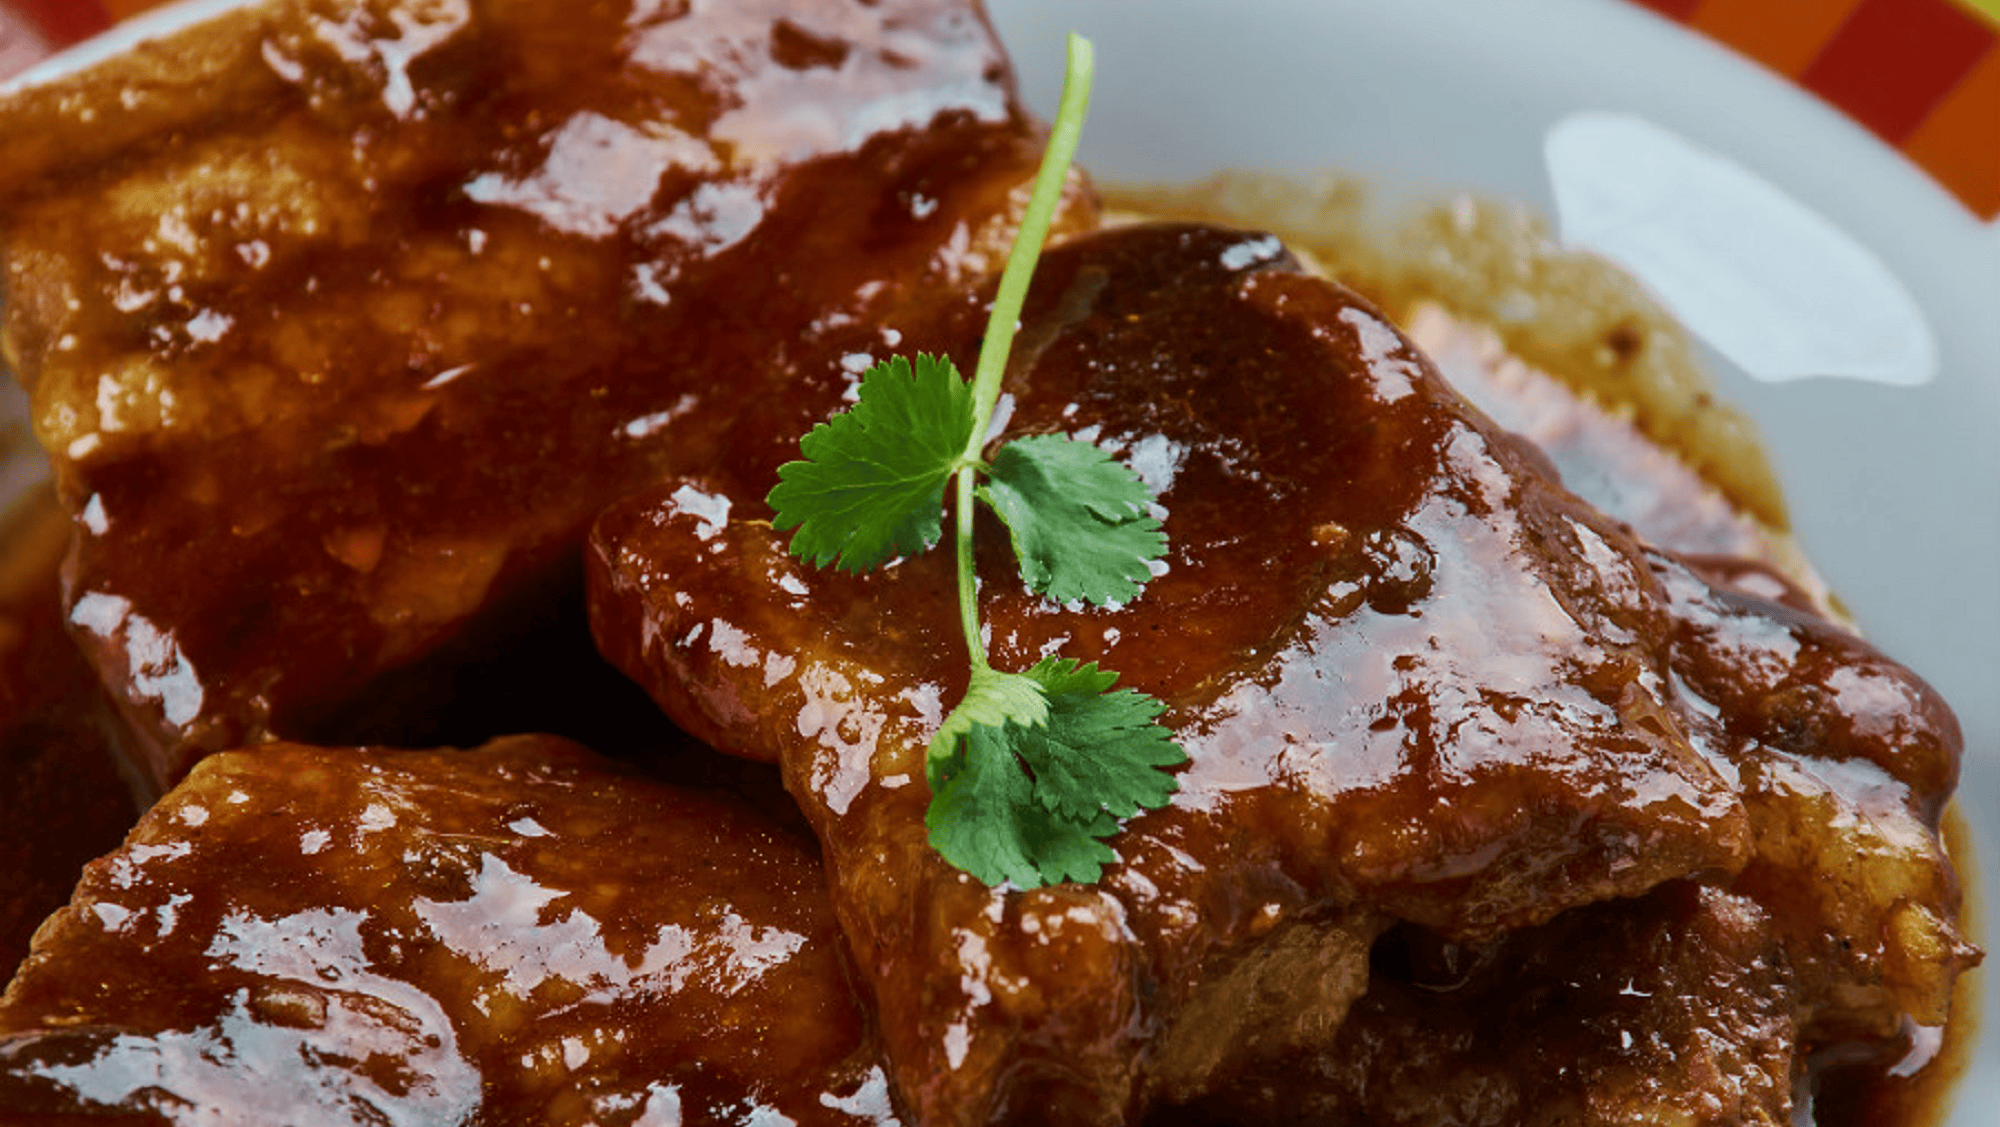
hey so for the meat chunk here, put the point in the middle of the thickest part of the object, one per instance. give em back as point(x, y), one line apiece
point(1418, 683)
point(1844, 761)
point(1675, 1008)
point(522, 934)
point(60, 783)
point(342, 320)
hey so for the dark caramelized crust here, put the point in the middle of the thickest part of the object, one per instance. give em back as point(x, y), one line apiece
point(337, 365)
point(521, 934)
point(1417, 680)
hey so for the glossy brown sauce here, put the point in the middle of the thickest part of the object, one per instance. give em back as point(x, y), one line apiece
point(1873, 1095)
point(386, 261)
point(522, 933)
point(1413, 678)
point(539, 218)
point(1495, 265)
point(1545, 339)
point(1865, 1089)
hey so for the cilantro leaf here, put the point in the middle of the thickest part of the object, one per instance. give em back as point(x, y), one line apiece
point(1024, 793)
point(991, 698)
point(1077, 518)
point(1099, 750)
point(1030, 770)
point(984, 818)
point(871, 487)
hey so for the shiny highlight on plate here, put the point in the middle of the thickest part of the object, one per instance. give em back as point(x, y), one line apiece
point(1769, 282)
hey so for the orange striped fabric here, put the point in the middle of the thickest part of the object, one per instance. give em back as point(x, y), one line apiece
point(1923, 75)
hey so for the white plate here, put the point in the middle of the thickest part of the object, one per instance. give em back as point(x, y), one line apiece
point(1894, 490)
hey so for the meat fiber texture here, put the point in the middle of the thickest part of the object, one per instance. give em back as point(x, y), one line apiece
point(1422, 689)
point(343, 318)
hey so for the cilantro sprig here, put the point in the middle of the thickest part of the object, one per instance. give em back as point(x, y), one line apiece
point(1031, 771)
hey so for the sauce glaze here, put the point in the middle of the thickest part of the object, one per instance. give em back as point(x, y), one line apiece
point(335, 375)
point(1417, 680)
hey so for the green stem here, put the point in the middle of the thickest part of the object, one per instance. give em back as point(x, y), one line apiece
point(1027, 249)
point(968, 581)
point(1006, 315)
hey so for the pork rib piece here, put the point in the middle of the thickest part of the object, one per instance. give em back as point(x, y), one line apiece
point(59, 774)
point(1674, 1008)
point(1417, 682)
point(522, 934)
point(343, 319)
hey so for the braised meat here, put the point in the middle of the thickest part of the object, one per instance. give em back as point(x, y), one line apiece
point(370, 338)
point(1674, 1008)
point(523, 934)
point(1844, 760)
point(342, 320)
point(1419, 683)
point(1665, 1010)
point(65, 798)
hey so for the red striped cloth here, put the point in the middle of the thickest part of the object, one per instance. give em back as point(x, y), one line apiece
point(63, 22)
point(1923, 75)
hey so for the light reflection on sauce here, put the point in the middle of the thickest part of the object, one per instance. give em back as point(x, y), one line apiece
point(1438, 268)
point(1749, 488)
